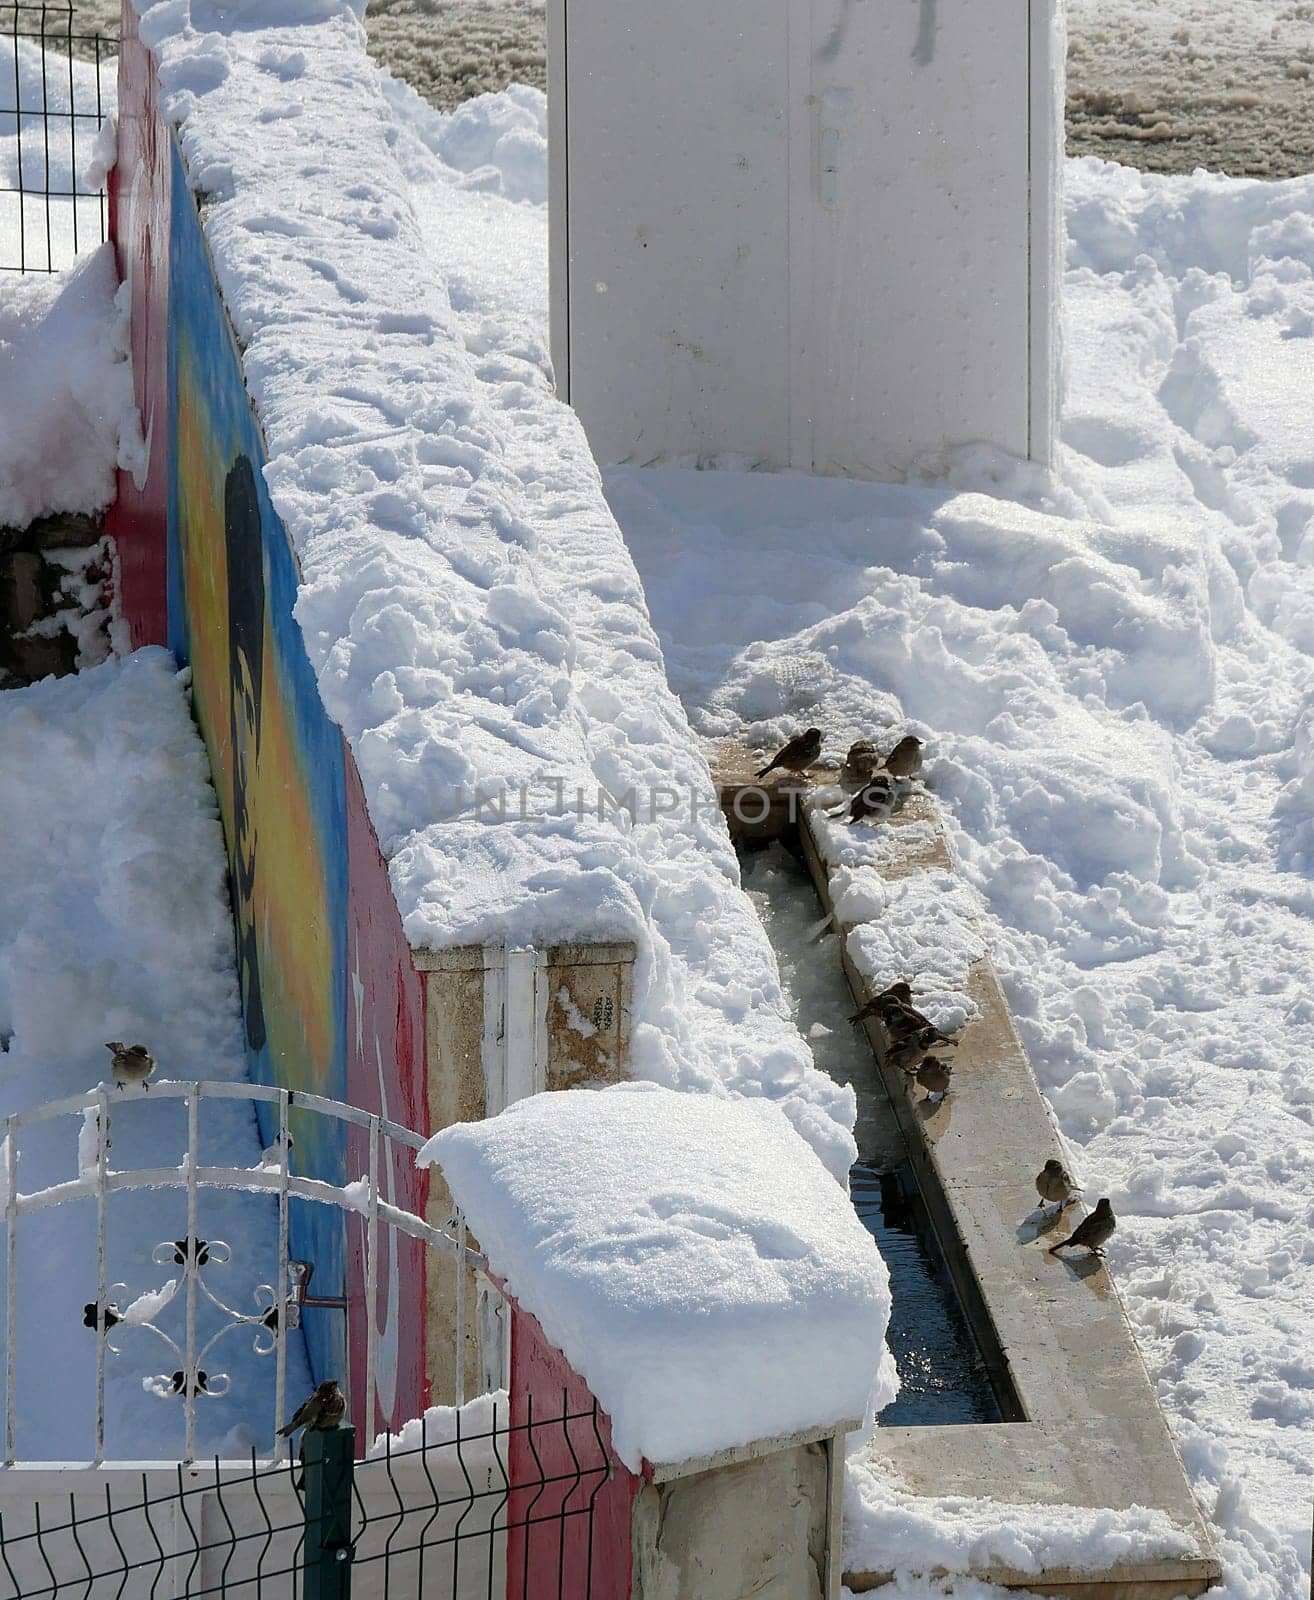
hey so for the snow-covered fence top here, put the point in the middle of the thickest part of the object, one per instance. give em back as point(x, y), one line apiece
point(690, 1257)
point(471, 617)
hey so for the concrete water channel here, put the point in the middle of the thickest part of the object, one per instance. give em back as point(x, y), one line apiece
point(1024, 1385)
point(944, 1379)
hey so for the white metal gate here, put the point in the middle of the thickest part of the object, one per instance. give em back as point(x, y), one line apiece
point(176, 1311)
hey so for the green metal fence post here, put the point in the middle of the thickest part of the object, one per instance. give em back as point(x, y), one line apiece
point(330, 1456)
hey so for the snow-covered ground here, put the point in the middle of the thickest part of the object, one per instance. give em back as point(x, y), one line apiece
point(49, 149)
point(1170, 85)
point(114, 924)
point(1114, 672)
point(67, 416)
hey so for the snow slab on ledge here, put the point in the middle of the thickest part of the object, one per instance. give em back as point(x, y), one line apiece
point(690, 1257)
point(473, 616)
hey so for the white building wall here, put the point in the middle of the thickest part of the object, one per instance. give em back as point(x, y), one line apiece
point(814, 235)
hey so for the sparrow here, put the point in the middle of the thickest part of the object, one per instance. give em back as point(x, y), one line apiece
point(861, 761)
point(799, 753)
point(1054, 1183)
point(895, 998)
point(1092, 1232)
point(905, 760)
point(905, 1053)
point(322, 1410)
point(934, 1076)
point(130, 1063)
point(873, 801)
point(272, 1154)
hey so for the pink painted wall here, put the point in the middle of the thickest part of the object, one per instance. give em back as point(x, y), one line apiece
point(568, 1557)
point(385, 1074)
point(140, 201)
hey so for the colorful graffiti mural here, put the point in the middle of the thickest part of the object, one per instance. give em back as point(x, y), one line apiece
point(275, 757)
point(331, 1000)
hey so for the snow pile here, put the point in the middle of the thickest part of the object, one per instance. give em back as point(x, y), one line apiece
point(67, 417)
point(691, 1258)
point(114, 924)
point(890, 1530)
point(486, 1414)
point(498, 141)
point(924, 928)
point(1116, 669)
point(475, 621)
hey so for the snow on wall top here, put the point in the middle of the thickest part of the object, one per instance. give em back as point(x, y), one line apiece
point(471, 612)
point(693, 1262)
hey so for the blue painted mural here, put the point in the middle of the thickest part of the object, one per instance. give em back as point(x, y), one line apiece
point(276, 759)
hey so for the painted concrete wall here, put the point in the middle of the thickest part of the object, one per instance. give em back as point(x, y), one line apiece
point(139, 194)
point(550, 1554)
point(816, 237)
point(331, 1000)
point(755, 1530)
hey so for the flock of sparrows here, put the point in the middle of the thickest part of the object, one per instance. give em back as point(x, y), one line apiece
point(873, 775)
point(910, 1036)
point(910, 1039)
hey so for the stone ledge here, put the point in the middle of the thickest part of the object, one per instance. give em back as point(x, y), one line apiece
point(1082, 1421)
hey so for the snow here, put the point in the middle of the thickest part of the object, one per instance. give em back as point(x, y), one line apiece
point(1113, 664)
point(114, 924)
point(475, 622)
point(1114, 671)
point(1112, 667)
point(55, 155)
point(704, 1306)
point(67, 417)
point(890, 1530)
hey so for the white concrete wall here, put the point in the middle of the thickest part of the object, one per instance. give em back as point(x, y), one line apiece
point(818, 237)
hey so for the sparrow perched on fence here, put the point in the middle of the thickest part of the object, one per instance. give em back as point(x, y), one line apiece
point(1092, 1232)
point(798, 754)
point(905, 760)
point(272, 1154)
point(322, 1410)
point(934, 1076)
point(1054, 1183)
point(130, 1063)
point(861, 761)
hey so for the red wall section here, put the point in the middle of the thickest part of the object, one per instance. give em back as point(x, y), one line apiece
point(385, 1074)
point(139, 225)
point(566, 1558)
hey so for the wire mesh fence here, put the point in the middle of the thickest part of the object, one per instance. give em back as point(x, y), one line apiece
point(485, 1506)
point(56, 89)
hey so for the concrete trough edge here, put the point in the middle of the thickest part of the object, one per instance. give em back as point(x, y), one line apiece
point(1053, 1331)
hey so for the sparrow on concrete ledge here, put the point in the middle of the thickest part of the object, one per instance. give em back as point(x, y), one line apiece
point(797, 755)
point(1054, 1184)
point(860, 763)
point(935, 1076)
point(905, 760)
point(1092, 1232)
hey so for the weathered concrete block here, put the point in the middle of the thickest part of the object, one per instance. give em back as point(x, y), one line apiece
point(755, 1530)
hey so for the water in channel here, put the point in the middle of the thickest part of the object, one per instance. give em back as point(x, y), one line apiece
point(943, 1377)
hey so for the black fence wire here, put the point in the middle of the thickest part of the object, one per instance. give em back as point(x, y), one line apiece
point(504, 1509)
point(55, 91)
